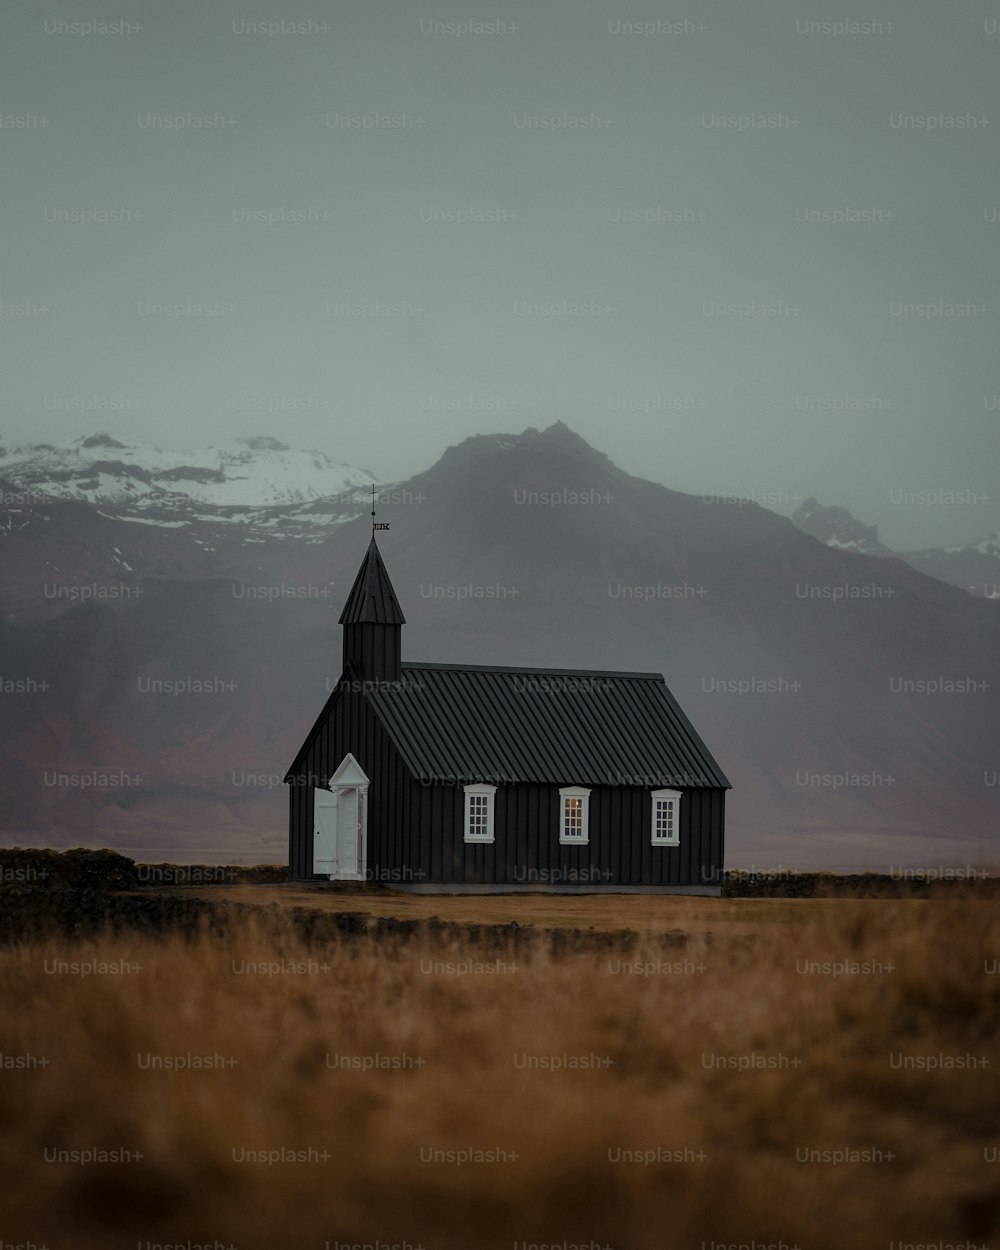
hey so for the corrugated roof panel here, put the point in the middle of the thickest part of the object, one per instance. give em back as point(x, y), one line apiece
point(542, 725)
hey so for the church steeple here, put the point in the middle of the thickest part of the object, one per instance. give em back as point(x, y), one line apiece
point(372, 621)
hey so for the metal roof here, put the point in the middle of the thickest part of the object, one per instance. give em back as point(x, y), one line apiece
point(586, 727)
point(372, 598)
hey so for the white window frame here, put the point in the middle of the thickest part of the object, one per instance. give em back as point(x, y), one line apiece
point(490, 793)
point(574, 792)
point(674, 798)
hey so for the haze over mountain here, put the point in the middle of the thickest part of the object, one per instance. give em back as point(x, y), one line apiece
point(161, 670)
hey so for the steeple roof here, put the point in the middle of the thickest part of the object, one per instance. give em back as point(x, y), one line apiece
point(372, 598)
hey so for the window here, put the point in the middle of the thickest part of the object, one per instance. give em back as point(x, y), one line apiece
point(574, 804)
point(666, 817)
point(479, 802)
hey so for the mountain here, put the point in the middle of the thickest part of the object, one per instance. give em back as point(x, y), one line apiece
point(974, 567)
point(132, 511)
point(851, 699)
point(838, 528)
point(261, 484)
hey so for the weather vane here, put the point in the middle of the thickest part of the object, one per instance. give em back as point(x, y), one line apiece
point(376, 525)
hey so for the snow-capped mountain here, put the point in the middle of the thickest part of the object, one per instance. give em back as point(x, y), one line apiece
point(96, 515)
point(838, 528)
point(989, 546)
point(974, 567)
point(250, 473)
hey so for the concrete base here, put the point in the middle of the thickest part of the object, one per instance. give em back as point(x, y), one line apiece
point(444, 887)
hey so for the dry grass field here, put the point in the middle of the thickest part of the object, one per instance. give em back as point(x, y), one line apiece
point(813, 1073)
point(644, 913)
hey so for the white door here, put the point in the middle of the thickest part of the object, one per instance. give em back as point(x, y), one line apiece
point(348, 833)
point(325, 839)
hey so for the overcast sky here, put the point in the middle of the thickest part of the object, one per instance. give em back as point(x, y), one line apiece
point(624, 216)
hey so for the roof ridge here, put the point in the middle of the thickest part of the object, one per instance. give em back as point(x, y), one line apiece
point(560, 672)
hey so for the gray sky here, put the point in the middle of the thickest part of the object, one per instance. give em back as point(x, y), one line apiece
point(643, 274)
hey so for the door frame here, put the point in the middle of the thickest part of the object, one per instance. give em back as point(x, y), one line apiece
point(349, 776)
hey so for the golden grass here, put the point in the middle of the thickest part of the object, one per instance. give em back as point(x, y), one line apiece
point(644, 913)
point(475, 1052)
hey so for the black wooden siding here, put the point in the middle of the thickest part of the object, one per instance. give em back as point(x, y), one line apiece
point(527, 851)
point(373, 649)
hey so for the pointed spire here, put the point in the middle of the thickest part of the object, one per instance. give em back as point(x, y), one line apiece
point(372, 599)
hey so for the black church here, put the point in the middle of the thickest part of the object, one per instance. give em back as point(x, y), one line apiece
point(479, 778)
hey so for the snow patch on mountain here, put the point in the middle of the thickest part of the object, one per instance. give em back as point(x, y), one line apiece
point(253, 472)
point(848, 544)
point(988, 546)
